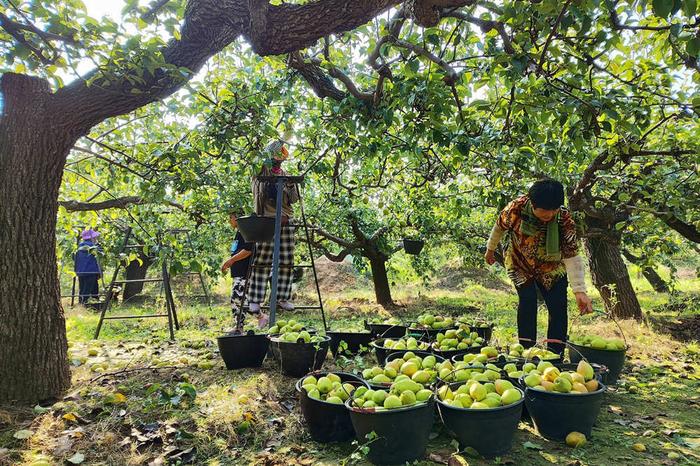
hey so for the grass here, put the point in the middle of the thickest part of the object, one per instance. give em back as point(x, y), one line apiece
point(144, 399)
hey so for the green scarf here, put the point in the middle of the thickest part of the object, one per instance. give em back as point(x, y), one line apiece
point(528, 226)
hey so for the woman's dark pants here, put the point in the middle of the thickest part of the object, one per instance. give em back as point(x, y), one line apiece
point(555, 299)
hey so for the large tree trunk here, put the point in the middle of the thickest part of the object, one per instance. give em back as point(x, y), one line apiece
point(382, 291)
point(136, 271)
point(33, 346)
point(611, 277)
point(654, 279)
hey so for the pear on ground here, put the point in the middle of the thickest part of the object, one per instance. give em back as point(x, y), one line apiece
point(575, 439)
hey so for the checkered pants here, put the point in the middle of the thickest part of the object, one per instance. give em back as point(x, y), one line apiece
point(262, 270)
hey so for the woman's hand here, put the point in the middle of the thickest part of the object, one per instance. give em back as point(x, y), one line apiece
point(490, 257)
point(584, 303)
point(226, 265)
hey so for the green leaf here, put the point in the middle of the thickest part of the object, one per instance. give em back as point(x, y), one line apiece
point(23, 434)
point(76, 459)
point(690, 7)
point(693, 47)
point(662, 8)
point(532, 446)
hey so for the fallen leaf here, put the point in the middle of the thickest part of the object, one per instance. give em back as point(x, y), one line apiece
point(532, 446)
point(457, 460)
point(76, 459)
point(549, 457)
point(23, 434)
point(41, 410)
point(70, 417)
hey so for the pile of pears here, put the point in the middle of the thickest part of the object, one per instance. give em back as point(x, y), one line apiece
point(476, 395)
point(457, 340)
point(389, 321)
point(463, 371)
point(405, 343)
point(403, 392)
point(600, 343)
point(291, 331)
point(328, 388)
point(420, 370)
point(542, 354)
point(548, 378)
point(429, 321)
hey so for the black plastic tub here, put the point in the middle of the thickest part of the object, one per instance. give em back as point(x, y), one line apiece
point(327, 422)
point(454, 354)
point(413, 246)
point(354, 341)
point(484, 331)
point(555, 415)
point(297, 359)
point(613, 360)
point(257, 229)
point(429, 333)
point(381, 352)
point(386, 330)
point(274, 350)
point(245, 350)
point(420, 353)
point(401, 434)
point(469, 425)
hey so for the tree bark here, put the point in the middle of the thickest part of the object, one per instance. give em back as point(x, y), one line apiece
point(654, 279)
point(33, 349)
point(611, 277)
point(382, 291)
point(136, 271)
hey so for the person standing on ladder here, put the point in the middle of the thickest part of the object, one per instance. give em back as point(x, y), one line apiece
point(265, 195)
point(239, 262)
point(542, 254)
point(86, 266)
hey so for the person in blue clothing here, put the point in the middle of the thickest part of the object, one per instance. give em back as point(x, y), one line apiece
point(86, 266)
point(238, 263)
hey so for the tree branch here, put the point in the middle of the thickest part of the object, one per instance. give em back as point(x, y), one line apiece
point(555, 26)
point(116, 203)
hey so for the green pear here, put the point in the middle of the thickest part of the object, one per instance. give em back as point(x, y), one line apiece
point(407, 398)
point(510, 396)
point(335, 400)
point(392, 402)
point(324, 385)
point(423, 395)
point(477, 392)
point(533, 380)
point(310, 380)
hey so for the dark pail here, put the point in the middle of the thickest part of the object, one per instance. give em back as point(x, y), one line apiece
point(413, 246)
point(274, 351)
point(429, 333)
point(401, 434)
point(353, 342)
point(327, 422)
point(613, 360)
point(555, 415)
point(239, 351)
point(422, 354)
point(484, 331)
point(386, 330)
point(257, 229)
point(456, 354)
point(297, 359)
point(381, 352)
point(469, 425)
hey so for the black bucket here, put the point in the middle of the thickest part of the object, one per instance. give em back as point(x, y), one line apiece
point(353, 340)
point(420, 353)
point(453, 355)
point(297, 359)
point(555, 415)
point(386, 330)
point(275, 351)
point(327, 422)
point(246, 350)
point(613, 360)
point(257, 229)
point(484, 331)
point(469, 425)
point(381, 352)
point(401, 434)
point(429, 333)
point(413, 246)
